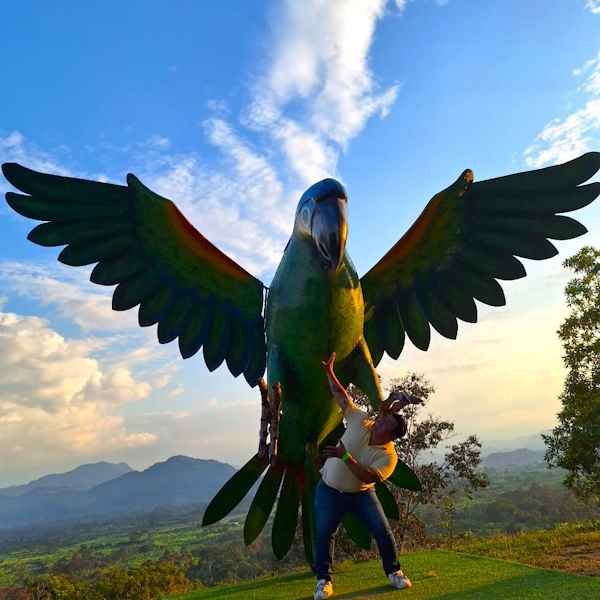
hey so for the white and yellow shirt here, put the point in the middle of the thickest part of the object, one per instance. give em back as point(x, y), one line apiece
point(382, 459)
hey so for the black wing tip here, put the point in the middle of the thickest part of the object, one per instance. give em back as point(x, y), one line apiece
point(208, 520)
point(187, 354)
point(593, 156)
point(590, 162)
point(18, 203)
point(252, 379)
point(135, 184)
point(32, 237)
point(11, 171)
point(7, 166)
point(595, 186)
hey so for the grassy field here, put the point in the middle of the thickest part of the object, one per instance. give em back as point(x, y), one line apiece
point(122, 548)
point(436, 575)
point(572, 547)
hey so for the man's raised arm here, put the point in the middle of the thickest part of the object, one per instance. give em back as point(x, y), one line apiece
point(337, 389)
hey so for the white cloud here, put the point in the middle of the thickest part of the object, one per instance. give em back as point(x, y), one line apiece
point(163, 376)
point(57, 398)
point(233, 210)
point(87, 305)
point(158, 141)
point(565, 138)
point(319, 64)
point(176, 391)
point(15, 148)
point(258, 181)
point(320, 67)
point(592, 84)
point(222, 430)
point(509, 375)
point(318, 72)
point(593, 6)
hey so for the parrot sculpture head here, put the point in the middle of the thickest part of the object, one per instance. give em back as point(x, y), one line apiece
point(322, 217)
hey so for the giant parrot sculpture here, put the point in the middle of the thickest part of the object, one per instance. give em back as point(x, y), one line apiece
point(465, 239)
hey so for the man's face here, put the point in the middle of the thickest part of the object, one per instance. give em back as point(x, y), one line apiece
point(384, 423)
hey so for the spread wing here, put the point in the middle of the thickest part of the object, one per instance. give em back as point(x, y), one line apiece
point(467, 237)
point(157, 260)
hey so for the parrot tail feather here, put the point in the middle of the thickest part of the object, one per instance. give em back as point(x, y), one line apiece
point(234, 490)
point(308, 483)
point(286, 515)
point(294, 484)
point(262, 503)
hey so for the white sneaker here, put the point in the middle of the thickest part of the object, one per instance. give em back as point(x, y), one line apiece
point(399, 580)
point(324, 589)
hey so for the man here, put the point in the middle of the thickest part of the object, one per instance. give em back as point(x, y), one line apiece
point(364, 455)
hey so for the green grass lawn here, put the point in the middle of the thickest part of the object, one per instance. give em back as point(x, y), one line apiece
point(435, 575)
point(571, 547)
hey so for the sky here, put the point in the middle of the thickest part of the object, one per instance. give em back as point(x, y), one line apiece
point(232, 110)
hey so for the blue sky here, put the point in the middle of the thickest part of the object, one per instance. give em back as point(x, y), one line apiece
point(232, 110)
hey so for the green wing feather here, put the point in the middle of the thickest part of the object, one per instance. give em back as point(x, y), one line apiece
point(309, 478)
point(286, 515)
point(308, 516)
point(465, 239)
point(262, 503)
point(388, 502)
point(357, 530)
point(156, 258)
point(234, 490)
point(404, 477)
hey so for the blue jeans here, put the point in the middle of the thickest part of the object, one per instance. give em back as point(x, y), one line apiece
point(330, 506)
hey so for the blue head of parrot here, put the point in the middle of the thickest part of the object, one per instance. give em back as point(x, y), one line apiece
point(322, 216)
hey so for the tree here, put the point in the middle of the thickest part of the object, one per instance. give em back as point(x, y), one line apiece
point(574, 444)
point(442, 480)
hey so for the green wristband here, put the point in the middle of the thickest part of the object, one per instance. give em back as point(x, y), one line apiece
point(346, 456)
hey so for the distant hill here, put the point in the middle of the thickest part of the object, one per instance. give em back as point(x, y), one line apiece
point(523, 457)
point(178, 481)
point(81, 478)
point(533, 441)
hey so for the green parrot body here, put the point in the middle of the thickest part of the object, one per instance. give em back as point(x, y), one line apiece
point(466, 238)
point(309, 314)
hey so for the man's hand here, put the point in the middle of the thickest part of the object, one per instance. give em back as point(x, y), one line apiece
point(337, 389)
point(334, 451)
point(328, 365)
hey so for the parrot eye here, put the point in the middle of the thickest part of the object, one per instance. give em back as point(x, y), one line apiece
point(305, 215)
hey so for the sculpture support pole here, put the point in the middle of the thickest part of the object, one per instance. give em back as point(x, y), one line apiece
point(265, 418)
point(275, 415)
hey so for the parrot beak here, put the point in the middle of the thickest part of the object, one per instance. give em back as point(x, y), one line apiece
point(330, 230)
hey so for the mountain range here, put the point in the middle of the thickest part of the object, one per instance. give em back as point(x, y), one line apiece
point(81, 478)
point(105, 489)
point(522, 457)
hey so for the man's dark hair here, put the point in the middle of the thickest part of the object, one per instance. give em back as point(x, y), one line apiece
point(401, 427)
